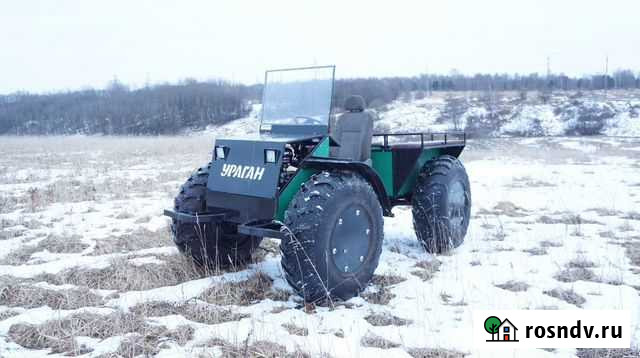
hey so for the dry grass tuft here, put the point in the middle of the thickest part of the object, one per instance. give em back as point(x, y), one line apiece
point(505, 208)
point(536, 251)
point(528, 182)
point(140, 239)
point(605, 211)
point(296, 330)
point(446, 299)
point(59, 335)
point(149, 344)
point(386, 319)
point(429, 269)
point(514, 286)
point(632, 215)
point(257, 349)
point(434, 353)
point(580, 262)
point(625, 227)
point(10, 229)
point(181, 334)
point(8, 203)
point(20, 256)
point(632, 249)
point(124, 276)
point(575, 274)
point(607, 234)
point(387, 280)
point(547, 244)
point(382, 295)
point(372, 340)
point(501, 248)
point(57, 244)
point(196, 312)
point(8, 314)
point(567, 219)
point(569, 296)
point(60, 191)
point(124, 215)
point(52, 243)
point(607, 353)
point(28, 296)
point(255, 289)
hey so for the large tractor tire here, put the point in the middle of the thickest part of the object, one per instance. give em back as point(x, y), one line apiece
point(441, 204)
point(334, 239)
point(210, 245)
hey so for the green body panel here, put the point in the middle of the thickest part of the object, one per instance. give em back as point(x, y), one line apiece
point(285, 197)
point(410, 182)
point(382, 162)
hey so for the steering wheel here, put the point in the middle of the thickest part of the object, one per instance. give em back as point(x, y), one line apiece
point(307, 120)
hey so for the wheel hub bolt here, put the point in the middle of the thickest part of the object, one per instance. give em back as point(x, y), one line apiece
point(367, 231)
point(340, 221)
point(361, 258)
point(334, 251)
point(346, 268)
point(357, 212)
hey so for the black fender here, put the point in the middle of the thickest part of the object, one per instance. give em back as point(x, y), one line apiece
point(359, 167)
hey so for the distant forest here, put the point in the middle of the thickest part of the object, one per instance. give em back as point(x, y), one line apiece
point(172, 108)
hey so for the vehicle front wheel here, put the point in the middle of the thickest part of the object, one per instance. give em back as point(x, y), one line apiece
point(441, 204)
point(335, 237)
point(210, 245)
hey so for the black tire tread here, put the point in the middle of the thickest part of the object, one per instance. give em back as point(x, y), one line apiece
point(303, 218)
point(210, 245)
point(433, 176)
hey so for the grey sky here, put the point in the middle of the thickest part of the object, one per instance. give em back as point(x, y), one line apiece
point(62, 44)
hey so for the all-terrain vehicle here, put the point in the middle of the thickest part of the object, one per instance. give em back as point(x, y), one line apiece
point(321, 188)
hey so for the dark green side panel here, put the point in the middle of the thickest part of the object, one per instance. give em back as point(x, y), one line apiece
point(410, 182)
point(382, 162)
point(285, 197)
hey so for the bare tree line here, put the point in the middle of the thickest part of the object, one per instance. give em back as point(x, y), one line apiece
point(171, 108)
point(161, 109)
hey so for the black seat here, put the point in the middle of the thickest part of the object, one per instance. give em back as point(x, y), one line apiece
point(353, 131)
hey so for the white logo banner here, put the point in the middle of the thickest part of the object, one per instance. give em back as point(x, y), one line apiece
point(510, 329)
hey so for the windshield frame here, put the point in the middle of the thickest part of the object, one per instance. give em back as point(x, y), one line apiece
point(292, 128)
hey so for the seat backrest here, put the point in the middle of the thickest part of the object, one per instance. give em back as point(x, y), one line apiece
point(353, 131)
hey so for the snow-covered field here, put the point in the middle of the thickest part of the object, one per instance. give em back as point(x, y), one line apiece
point(87, 266)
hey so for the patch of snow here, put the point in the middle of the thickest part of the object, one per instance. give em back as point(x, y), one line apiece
point(622, 124)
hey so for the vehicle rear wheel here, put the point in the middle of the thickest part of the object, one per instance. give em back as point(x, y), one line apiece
point(335, 237)
point(441, 204)
point(210, 245)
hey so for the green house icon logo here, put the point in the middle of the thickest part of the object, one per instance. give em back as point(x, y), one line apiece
point(500, 331)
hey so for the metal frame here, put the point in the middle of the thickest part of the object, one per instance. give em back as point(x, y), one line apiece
point(196, 218)
point(460, 138)
point(265, 228)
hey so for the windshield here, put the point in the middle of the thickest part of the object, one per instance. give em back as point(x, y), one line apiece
point(298, 96)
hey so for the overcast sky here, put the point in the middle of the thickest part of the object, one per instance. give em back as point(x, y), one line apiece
point(63, 44)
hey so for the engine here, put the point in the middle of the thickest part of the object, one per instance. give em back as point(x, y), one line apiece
point(293, 155)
